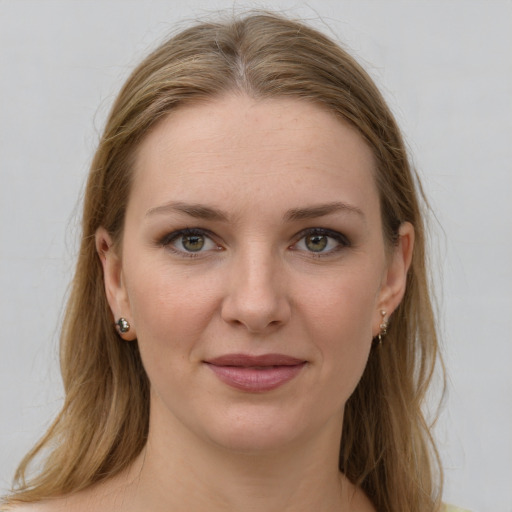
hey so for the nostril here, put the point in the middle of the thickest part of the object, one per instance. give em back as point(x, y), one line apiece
point(256, 301)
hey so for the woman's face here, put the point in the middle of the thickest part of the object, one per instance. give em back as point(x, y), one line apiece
point(253, 270)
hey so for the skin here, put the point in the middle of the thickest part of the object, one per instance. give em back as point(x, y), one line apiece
point(255, 287)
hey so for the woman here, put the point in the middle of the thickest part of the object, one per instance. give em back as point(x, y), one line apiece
point(250, 325)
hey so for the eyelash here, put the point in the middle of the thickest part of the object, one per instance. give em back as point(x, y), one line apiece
point(168, 240)
point(341, 240)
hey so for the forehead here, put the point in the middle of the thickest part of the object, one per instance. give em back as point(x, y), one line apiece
point(238, 147)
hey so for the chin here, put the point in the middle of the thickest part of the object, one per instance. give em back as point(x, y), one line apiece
point(252, 440)
point(260, 429)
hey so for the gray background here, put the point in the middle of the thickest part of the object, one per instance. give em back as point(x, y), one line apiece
point(446, 69)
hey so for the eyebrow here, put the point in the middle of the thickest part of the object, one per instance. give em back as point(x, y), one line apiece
point(312, 212)
point(200, 211)
point(197, 211)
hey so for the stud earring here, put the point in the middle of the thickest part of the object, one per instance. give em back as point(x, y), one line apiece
point(123, 325)
point(383, 326)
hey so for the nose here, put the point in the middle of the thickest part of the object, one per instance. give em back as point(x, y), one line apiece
point(256, 297)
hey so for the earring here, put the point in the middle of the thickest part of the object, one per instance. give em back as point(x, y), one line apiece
point(383, 326)
point(123, 325)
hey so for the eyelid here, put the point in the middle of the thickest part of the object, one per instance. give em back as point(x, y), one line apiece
point(340, 238)
point(167, 241)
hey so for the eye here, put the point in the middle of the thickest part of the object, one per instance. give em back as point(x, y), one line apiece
point(321, 241)
point(189, 241)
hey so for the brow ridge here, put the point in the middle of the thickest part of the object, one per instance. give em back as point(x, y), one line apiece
point(197, 211)
point(200, 211)
point(311, 212)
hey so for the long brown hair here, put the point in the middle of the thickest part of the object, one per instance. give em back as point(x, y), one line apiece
point(386, 446)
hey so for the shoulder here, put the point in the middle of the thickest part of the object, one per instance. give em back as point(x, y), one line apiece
point(453, 508)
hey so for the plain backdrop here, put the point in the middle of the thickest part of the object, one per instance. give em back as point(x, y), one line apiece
point(445, 68)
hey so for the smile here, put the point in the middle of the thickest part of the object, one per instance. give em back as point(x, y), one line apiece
point(255, 374)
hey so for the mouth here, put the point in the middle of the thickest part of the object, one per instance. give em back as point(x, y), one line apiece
point(255, 374)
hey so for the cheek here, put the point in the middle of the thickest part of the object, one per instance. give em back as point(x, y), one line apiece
point(170, 310)
point(170, 318)
point(346, 305)
point(340, 322)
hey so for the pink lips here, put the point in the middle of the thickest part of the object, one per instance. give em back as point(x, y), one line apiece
point(255, 373)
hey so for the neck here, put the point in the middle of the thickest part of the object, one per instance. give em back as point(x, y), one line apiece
point(179, 471)
point(242, 482)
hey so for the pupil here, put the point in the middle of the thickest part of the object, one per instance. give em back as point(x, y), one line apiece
point(193, 242)
point(316, 243)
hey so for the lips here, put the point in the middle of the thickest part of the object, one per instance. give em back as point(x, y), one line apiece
point(255, 374)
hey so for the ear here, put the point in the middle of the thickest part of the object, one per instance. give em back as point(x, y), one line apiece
point(115, 289)
point(395, 277)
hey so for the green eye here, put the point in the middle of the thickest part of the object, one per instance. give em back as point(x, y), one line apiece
point(189, 241)
point(321, 242)
point(192, 243)
point(316, 242)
